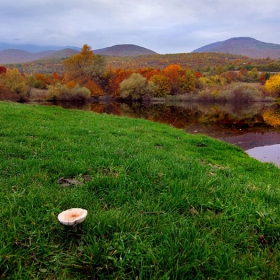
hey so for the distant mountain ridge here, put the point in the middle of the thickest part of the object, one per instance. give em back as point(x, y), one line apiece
point(35, 48)
point(8, 56)
point(19, 56)
point(243, 46)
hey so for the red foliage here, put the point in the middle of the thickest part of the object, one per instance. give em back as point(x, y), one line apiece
point(3, 70)
point(148, 72)
point(198, 74)
point(117, 77)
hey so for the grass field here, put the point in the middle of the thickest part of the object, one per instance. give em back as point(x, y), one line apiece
point(161, 204)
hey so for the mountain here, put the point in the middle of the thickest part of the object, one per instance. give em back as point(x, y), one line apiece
point(61, 54)
point(21, 56)
point(244, 46)
point(124, 50)
point(13, 55)
point(34, 48)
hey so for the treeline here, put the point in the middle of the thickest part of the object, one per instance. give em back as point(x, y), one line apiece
point(86, 75)
point(203, 62)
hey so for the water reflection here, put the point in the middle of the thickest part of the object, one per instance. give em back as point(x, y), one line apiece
point(218, 121)
point(266, 154)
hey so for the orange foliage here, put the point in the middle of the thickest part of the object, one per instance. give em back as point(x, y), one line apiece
point(117, 77)
point(94, 88)
point(148, 72)
point(173, 71)
point(242, 74)
point(230, 76)
point(175, 74)
point(45, 79)
point(70, 84)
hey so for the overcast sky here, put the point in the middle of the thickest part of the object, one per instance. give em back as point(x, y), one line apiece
point(165, 26)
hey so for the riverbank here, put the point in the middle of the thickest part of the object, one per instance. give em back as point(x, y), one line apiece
point(161, 203)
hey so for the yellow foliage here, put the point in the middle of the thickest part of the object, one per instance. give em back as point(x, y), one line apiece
point(15, 82)
point(272, 85)
point(213, 81)
point(272, 117)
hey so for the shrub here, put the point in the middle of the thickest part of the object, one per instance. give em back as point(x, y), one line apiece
point(80, 93)
point(63, 93)
point(6, 94)
point(135, 87)
point(205, 95)
point(15, 84)
point(237, 93)
point(241, 94)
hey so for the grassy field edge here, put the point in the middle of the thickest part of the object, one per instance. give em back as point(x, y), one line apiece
point(162, 204)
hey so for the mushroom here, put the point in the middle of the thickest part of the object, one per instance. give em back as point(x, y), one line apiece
point(72, 216)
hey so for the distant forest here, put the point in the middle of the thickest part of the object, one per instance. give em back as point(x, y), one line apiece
point(205, 77)
point(203, 62)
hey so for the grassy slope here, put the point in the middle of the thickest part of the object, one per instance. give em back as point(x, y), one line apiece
point(161, 203)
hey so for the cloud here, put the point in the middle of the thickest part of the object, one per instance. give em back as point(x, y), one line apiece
point(164, 26)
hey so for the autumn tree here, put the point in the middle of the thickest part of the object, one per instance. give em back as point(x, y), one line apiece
point(3, 70)
point(264, 76)
point(272, 85)
point(230, 76)
point(162, 85)
point(148, 72)
point(14, 82)
point(116, 77)
point(188, 81)
point(85, 66)
point(174, 72)
point(271, 117)
point(94, 88)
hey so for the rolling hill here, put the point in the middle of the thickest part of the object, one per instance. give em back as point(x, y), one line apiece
point(9, 56)
point(20, 56)
point(243, 46)
point(61, 54)
point(34, 48)
point(124, 50)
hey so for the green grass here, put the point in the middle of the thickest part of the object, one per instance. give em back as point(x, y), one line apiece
point(161, 204)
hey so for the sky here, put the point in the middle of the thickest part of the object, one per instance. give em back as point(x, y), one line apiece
point(164, 26)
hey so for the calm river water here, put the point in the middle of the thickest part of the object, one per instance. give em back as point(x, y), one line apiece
point(255, 127)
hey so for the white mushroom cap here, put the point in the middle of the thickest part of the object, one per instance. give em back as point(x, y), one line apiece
point(72, 216)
